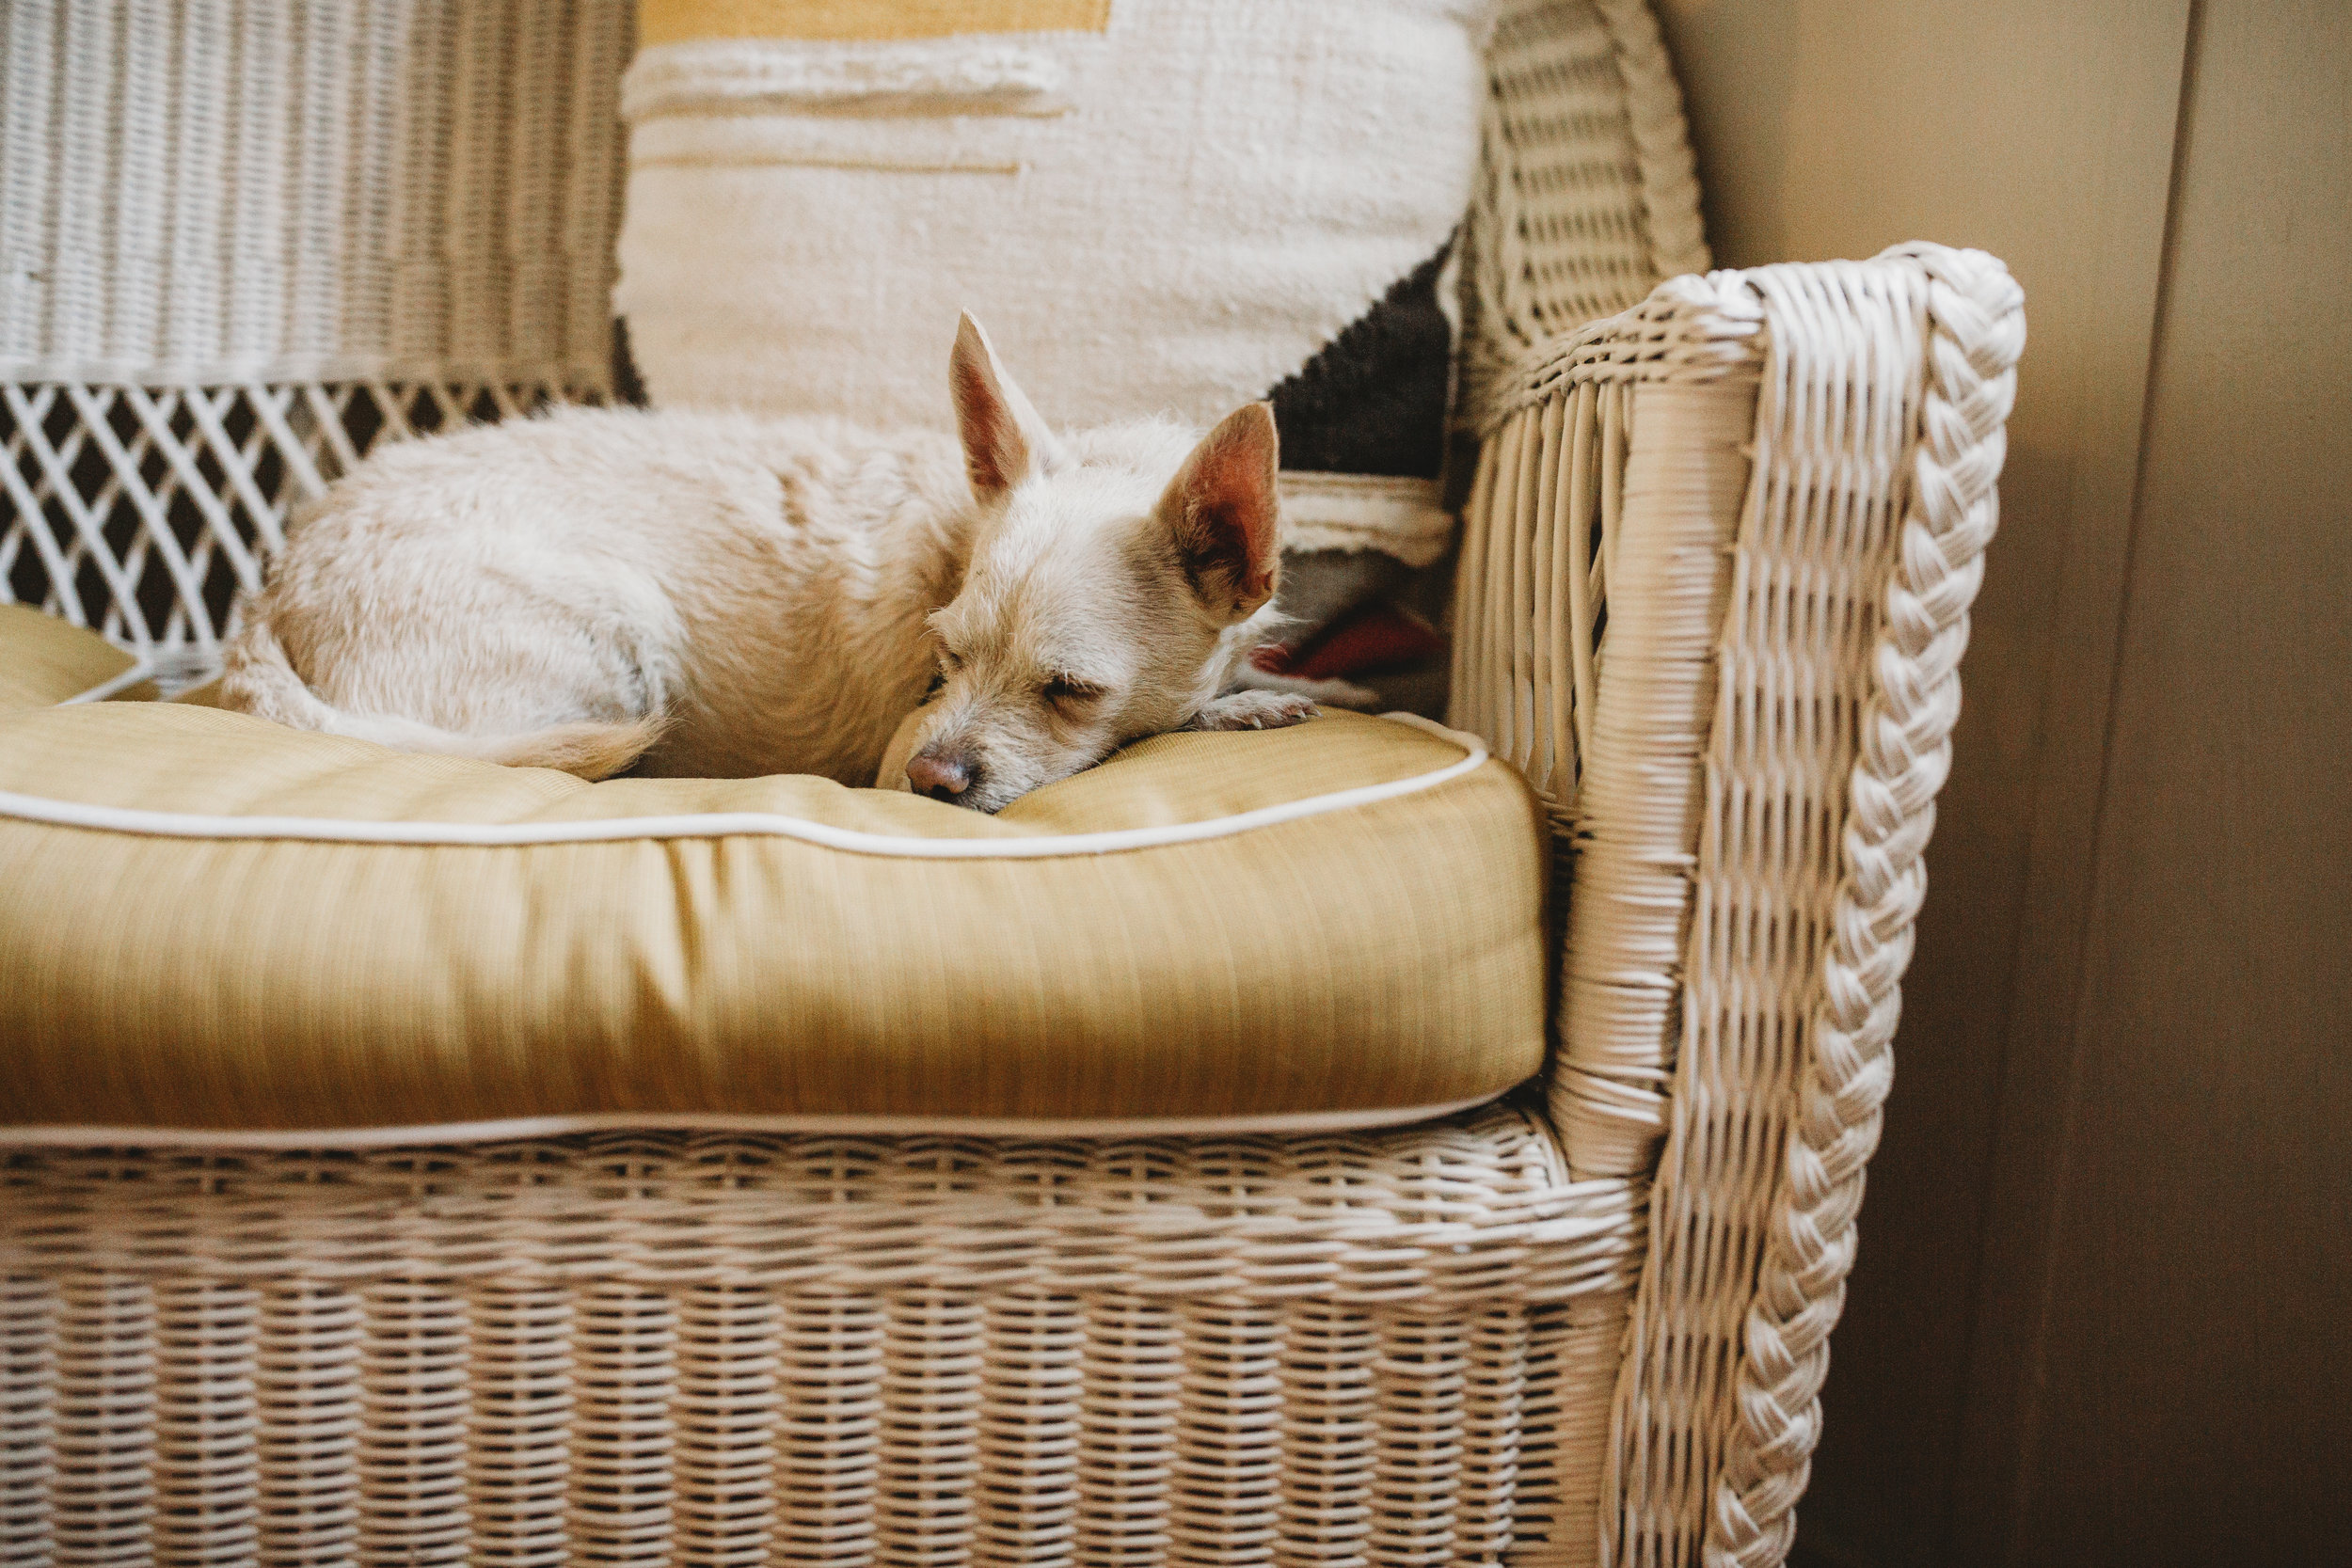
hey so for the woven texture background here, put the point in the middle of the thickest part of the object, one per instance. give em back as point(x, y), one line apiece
point(823, 1349)
point(1392, 1347)
point(312, 190)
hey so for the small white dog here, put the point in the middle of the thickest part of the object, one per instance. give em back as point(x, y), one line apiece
point(717, 595)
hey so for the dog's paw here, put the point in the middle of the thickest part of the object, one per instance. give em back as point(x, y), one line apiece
point(1326, 693)
point(1255, 711)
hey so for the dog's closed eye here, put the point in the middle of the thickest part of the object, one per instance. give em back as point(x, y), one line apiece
point(1073, 697)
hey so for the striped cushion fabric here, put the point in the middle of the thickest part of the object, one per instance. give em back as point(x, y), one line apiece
point(43, 660)
point(210, 923)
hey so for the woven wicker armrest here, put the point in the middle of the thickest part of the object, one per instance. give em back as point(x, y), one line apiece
point(1714, 592)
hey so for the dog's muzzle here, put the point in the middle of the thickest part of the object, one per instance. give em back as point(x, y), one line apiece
point(940, 775)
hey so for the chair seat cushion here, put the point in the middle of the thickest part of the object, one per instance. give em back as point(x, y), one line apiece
point(45, 661)
point(209, 922)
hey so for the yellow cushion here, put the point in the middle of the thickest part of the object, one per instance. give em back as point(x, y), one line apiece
point(44, 660)
point(1373, 950)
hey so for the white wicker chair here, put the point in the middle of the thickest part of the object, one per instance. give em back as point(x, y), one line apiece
point(1587, 1325)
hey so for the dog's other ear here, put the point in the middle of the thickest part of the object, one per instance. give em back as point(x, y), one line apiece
point(1225, 513)
point(1004, 440)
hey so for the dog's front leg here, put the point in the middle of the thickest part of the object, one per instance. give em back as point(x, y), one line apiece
point(1254, 710)
point(1327, 693)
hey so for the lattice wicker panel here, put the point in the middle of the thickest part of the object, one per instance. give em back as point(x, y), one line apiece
point(140, 512)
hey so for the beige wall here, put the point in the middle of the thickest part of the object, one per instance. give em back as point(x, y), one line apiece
point(2100, 1238)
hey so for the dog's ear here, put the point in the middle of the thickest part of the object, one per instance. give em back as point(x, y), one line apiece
point(1225, 515)
point(1004, 440)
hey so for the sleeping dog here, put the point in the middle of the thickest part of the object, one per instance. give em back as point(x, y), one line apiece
point(720, 595)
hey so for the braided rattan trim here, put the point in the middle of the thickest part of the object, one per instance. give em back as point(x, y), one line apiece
point(1725, 1004)
point(1855, 558)
point(1975, 317)
point(1585, 194)
point(1722, 945)
point(1670, 182)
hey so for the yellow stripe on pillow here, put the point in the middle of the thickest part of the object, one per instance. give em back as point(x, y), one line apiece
point(861, 21)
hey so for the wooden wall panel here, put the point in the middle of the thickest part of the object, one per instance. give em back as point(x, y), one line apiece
point(2189, 1298)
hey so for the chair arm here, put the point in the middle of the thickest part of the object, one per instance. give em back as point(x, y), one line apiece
point(1713, 598)
point(1976, 332)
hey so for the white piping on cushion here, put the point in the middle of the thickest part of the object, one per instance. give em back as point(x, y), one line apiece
point(511, 1128)
point(162, 824)
point(111, 685)
point(172, 669)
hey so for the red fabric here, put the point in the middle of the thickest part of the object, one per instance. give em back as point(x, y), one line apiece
point(1377, 638)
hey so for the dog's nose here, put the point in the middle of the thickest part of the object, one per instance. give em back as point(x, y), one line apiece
point(941, 778)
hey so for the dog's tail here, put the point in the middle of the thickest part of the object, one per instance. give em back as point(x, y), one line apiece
point(258, 678)
point(589, 750)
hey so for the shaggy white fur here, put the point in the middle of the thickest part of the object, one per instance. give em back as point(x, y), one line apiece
point(723, 595)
